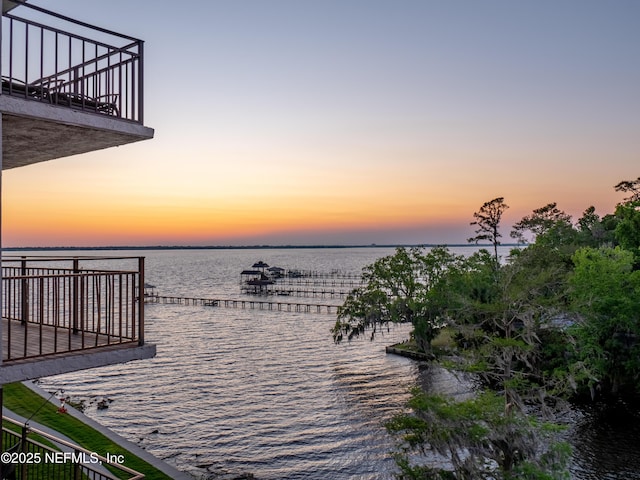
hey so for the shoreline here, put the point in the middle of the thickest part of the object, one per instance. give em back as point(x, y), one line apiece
point(114, 437)
point(395, 349)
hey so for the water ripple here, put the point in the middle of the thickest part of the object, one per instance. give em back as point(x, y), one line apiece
point(250, 390)
point(269, 392)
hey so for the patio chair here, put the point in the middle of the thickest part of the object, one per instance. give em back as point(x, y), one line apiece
point(15, 87)
point(104, 103)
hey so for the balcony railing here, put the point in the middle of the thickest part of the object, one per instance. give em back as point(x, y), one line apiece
point(55, 305)
point(82, 67)
point(30, 459)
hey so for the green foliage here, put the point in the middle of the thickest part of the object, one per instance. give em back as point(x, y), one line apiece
point(473, 287)
point(538, 277)
point(627, 230)
point(409, 286)
point(541, 221)
point(409, 471)
point(481, 438)
point(527, 295)
point(491, 435)
point(606, 293)
point(594, 231)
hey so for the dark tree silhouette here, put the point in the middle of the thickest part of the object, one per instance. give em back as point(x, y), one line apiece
point(630, 186)
point(540, 221)
point(488, 221)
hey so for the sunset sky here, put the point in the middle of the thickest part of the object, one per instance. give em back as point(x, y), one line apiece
point(347, 122)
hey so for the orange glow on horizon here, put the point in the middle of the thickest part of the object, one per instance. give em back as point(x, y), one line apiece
point(42, 208)
point(46, 208)
point(87, 225)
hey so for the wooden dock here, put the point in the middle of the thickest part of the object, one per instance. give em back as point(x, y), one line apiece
point(243, 304)
point(295, 273)
point(321, 282)
point(285, 291)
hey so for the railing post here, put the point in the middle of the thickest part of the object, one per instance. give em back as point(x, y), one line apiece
point(23, 449)
point(140, 300)
point(140, 83)
point(74, 295)
point(77, 470)
point(75, 80)
point(25, 292)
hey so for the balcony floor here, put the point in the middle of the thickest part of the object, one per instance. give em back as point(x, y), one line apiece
point(48, 340)
point(44, 363)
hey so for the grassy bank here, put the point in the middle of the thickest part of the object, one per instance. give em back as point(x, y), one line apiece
point(21, 400)
point(442, 345)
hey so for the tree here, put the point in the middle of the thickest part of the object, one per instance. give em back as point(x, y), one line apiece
point(481, 438)
point(627, 230)
point(540, 221)
point(606, 294)
point(593, 230)
point(560, 315)
point(493, 435)
point(488, 221)
point(399, 288)
point(589, 219)
point(630, 186)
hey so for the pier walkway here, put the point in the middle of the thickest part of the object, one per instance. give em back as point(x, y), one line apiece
point(293, 292)
point(322, 282)
point(244, 304)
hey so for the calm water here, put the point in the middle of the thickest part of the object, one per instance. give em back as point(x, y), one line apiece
point(269, 393)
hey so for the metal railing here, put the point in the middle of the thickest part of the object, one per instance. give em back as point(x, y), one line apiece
point(102, 74)
point(53, 305)
point(30, 459)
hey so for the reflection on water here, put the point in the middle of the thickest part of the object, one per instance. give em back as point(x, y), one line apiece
point(269, 392)
point(257, 391)
point(606, 442)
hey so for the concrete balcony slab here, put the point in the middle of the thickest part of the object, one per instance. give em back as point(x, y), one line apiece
point(32, 131)
point(36, 367)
